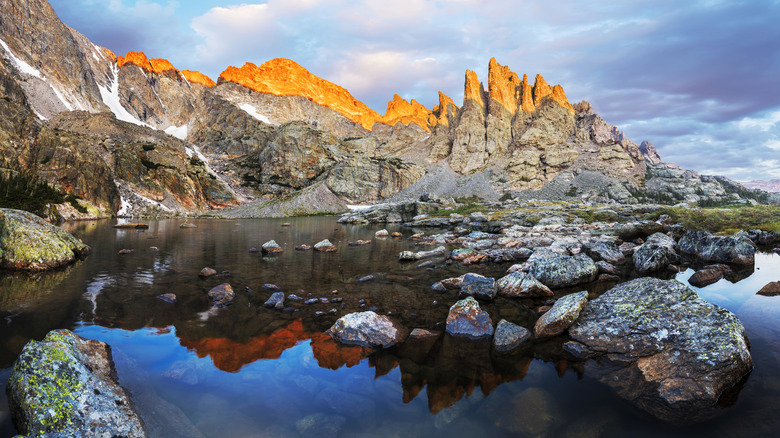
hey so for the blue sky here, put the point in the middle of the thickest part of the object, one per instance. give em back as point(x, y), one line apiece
point(699, 79)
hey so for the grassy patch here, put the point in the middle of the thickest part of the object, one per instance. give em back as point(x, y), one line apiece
point(725, 220)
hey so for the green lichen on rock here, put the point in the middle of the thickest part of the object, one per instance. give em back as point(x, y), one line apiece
point(65, 385)
point(27, 242)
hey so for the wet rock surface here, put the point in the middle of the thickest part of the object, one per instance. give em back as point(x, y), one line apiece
point(467, 319)
point(66, 385)
point(367, 329)
point(509, 336)
point(737, 249)
point(664, 348)
point(522, 285)
point(222, 295)
point(29, 243)
point(478, 286)
point(562, 315)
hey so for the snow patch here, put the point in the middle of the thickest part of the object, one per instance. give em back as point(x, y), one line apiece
point(179, 132)
point(110, 96)
point(60, 96)
point(19, 64)
point(252, 111)
point(124, 210)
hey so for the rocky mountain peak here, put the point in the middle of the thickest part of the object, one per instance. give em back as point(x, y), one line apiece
point(284, 77)
point(649, 152)
point(399, 110)
point(198, 78)
point(158, 65)
point(473, 89)
point(445, 109)
point(503, 85)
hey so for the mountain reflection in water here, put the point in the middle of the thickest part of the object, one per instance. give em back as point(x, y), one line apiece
point(245, 370)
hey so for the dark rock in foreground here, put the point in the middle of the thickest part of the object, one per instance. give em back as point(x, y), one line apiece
point(478, 286)
point(509, 336)
point(771, 289)
point(560, 270)
point(66, 385)
point(366, 329)
point(737, 249)
point(467, 319)
point(668, 351)
point(28, 243)
point(655, 254)
point(222, 295)
point(562, 315)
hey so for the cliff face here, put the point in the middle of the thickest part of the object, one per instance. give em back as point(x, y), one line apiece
point(132, 129)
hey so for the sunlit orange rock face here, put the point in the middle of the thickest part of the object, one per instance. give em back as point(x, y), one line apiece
point(505, 87)
point(198, 78)
point(230, 356)
point(160, 65)
point(444, 109)
point(284, 77)
point(399, 110)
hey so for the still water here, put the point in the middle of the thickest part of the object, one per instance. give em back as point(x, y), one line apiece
point(248, 371)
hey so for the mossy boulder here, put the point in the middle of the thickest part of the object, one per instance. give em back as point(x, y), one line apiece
point(66, 385)
point(665, 349)
point(29, 243)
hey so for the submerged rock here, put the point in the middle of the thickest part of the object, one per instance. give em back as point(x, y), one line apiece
point(28, 243)
point(562, 315)
point(325, 246)
point(366, 329)
point(66, 385)
point(678, 354)
point(276, 301)
point(737, 249)
point(222, 295)
point(168, 298)
point(478, 286)
point(509, 336)
point(522, 285)
point(466, 318)
point(411, 255)
point(207, 272)
point(271, 247)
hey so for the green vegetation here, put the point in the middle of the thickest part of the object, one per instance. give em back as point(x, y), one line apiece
point(590, 216)
point(24, 191)
point(725, 220)
point(73, 200)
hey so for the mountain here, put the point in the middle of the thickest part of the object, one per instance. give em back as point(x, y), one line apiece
point(772, 185)
point(131, 134)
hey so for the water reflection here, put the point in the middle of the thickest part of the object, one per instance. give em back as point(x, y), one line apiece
point(188, 363)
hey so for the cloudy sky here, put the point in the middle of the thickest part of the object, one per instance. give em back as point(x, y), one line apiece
point(699, 79)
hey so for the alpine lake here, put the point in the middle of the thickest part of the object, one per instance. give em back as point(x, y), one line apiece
point(248, 371)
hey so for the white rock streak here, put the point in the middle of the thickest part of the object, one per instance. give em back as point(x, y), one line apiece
point(110, 96)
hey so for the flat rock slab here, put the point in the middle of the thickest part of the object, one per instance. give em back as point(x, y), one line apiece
point(66, 385)
point(664, 348)
point(366, 329)
point(28, 243)
point(562, 315)
point(466, 318)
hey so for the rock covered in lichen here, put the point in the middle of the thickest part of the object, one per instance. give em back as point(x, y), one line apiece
point(466, 318)
point(562, 270)
point(29, 243)
point(562, 314)
point(66, 385)
point(721, 249)
point(677, 354)
point(367, 329)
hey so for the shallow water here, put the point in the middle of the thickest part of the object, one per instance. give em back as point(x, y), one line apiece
point(248, 371)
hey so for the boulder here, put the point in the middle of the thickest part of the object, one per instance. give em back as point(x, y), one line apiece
point(28, 243)
point(655, 254)
point(207, 272)
point(325, 246)
point(467, 319)
point(607, 252)
point(478, 286)
point(381, 233)
point(561, 270)
point(275, 301)
point(737, 249)
point(439, 251)
point(709, 275)
point(366, 329)
point(771, 289)
point(66, 385)
point(453, 282)
point(509, 336)
point(271, 247)
point(668, 351)
point(222, 295)
point(562, 315)
point(522, 285)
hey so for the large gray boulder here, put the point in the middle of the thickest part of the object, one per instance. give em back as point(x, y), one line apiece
point(467, 319)
point(562, 315)
point(736, 249)
point(655, 254)
point(478, 286)
point(522, 285)
point(28, 243)
point(666, 350)
point(367, 329)
point(66, 386)
point(560, 270)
